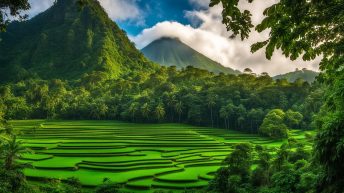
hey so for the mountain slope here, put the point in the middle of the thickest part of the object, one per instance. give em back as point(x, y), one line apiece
point(172, 52)
point(67, 41)
point(304, 74)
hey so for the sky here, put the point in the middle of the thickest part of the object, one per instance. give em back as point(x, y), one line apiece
point(198, 26)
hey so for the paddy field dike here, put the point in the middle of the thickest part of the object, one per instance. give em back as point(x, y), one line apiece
point(141, 157)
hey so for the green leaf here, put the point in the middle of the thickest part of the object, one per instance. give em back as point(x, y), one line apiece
point(257, 46)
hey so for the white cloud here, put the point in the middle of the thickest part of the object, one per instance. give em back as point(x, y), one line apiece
point(119, 10)
point(211, 39)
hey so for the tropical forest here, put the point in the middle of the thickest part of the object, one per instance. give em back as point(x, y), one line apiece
point(172, 96)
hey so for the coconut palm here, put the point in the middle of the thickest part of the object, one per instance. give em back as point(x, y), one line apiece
point(224, 115)
point(133, 109)
point(145, 110)
point(160, 112)
point(178, 106)
point(12, 149)
point(211, 102)
point(6, 129)
point(171, 100)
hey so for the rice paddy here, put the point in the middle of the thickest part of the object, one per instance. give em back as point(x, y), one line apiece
point(141, 157)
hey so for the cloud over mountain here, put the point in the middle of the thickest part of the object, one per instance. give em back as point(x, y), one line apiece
point(211, 38)
point(204, 33)
point(122, 10)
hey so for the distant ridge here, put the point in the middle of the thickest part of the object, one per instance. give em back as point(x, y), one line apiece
point(172, 52)
point(307, 75)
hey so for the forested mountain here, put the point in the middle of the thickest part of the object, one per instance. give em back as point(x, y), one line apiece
point(86, 68)
point(173, 52)
point(304, 74)
point(67, 41)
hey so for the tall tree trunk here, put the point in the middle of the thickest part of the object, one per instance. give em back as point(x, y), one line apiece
point(8, 162)
point(211, 115)
point(251, 126)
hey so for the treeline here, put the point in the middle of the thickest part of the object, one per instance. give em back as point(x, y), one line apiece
point(189, 96)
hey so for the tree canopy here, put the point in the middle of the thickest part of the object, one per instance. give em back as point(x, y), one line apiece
point(307, 29)
point(274, 124)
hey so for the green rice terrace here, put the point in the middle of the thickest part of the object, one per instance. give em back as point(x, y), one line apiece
point(142, 157)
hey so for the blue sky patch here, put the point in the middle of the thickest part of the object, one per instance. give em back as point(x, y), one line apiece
point(157, 11)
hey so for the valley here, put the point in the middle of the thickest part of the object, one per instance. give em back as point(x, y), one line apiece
point(143, 157)
point(139, 96)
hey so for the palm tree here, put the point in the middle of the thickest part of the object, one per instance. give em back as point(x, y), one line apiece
point(171, 100)
point(6, 129)
point(12, 175)
point(231, 111)
point(282, 156)
point(224, 115)
point(11, 151)
point(160, 112)
point(145, 110)
point(179, 109)
point(211, 102)
point(133, 109)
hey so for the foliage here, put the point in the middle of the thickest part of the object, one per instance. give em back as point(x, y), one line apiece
point(329, 143)
point(11, 181)
point(10, 151)
point(191, 96)
point(11, 177)
point(272, 174)
point(12, 9)
point(299, 75)
point(277, 123)
point(71, 185)
point(108, 187)
point(85, 43)
point(307, 29)
point(274, 124)
point(235, 177)
point(293, 119)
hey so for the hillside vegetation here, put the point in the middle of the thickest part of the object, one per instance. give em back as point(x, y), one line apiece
point(304, 74)
point(67, 41)
point(115, 81)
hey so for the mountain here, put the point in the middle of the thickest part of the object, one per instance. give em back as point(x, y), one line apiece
point(304, 74)
point(67, 41)
point(173, 52)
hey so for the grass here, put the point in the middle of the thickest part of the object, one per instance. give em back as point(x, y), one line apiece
point(142, 157)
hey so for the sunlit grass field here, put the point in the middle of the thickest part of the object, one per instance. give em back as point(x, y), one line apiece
point(141, 157)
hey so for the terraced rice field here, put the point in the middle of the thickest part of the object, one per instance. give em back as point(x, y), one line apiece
point(142, 157)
